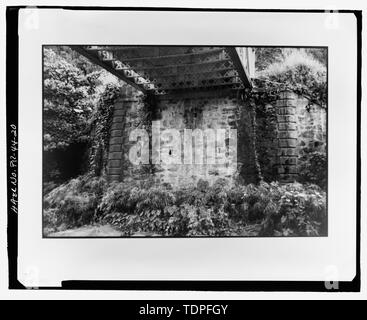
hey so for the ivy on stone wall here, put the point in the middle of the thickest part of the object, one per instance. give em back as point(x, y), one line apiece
point(299, 72)
point(148, 112)
point(315, 92)
point(101, 127)
point(264, 129)
point(265, 109)
point(144, 111)
point(262, 96)
point(255, 142)
point(266, 133)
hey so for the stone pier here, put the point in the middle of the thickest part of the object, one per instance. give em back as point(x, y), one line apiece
point(287, 137)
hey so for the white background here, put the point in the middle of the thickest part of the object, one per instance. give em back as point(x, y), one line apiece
point(284, 259)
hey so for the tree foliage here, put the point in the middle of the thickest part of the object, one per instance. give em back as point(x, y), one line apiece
point(69, 95)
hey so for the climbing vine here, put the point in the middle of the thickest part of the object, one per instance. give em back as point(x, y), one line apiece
point(255, 142)
point(103, 120)
point(298, 72)
point(301, 80)
point(315, 92)
point(263, 121)
point(101, 126)
point(147, 113)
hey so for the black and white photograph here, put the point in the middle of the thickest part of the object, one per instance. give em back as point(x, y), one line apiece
point(191, 149)
point(184, 141)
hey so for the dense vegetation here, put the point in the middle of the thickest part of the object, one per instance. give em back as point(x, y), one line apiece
point(197, 210)
point(302, 71)
point(78, 100)
point(73, 87)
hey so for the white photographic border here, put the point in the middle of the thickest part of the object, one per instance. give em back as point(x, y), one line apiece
point(52, 260)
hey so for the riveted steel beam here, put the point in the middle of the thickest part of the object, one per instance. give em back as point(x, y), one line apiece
point(205, 84)
point(239, 66)
point(181, 60)
point(171, 56)
point(93, 58)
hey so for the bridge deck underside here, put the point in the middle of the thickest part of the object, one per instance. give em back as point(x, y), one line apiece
point(161, 70)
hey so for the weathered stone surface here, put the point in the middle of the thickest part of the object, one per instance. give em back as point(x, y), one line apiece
point(116, 140)
point(287, 152)
point(290, 169)
point(115, 147)
point(288, 160)
point(311, 128)
point(287, 143)
point(116, 133)
point(287, 169)
point(117, 126)
point(286, 118)
point(287, 134)
point(113, 177)
point(287, 126)
point(287, 94)
point(286, 111)
point(279, 141)
point(119, 112)
point(129, 101)
point(281, 169)
point(115, 155)
point(286, 103)
point(114, 171)
point(118, 106)
point(114, 163)
point(117, 119)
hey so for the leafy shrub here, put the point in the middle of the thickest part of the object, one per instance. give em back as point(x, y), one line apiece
point(261, 200)
point(202, 210)
point(235, 205)
point(313, 168)
point(193, 211)
point(300, 211)
point(135, 197)
point(74, 203)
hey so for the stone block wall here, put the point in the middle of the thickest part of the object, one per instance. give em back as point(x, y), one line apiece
point(204, 113)
point(287, 136)
point(301, 129)
point(127, 115)
point(284, 131)
point(311, 127)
